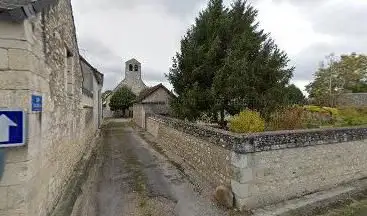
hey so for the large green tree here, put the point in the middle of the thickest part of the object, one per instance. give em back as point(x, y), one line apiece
point(336, 75)
point(227, 63)
point(122, 99)
point(293, 95)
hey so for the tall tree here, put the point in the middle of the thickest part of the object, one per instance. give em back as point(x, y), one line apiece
point(293, 95)
point(337, 75)
point(194, 67)
point(227, 63)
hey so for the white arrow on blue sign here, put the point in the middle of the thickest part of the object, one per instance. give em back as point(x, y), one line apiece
point(12, 127)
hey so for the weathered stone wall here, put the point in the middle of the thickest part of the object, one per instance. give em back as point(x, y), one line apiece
point(352, 99)
point(14, 92)
point(274, 176)
point(210, 161)
point(40, 56)
point(159, 95)
point(157, 102)
point(266, 168)
point(139, 115)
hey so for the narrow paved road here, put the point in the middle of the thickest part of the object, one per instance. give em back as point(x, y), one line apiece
point(136, 180)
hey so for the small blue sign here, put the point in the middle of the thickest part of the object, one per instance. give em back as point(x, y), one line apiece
point(12, 127)
point(36, 103)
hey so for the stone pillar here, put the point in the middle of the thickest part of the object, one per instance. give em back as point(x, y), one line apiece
point(243, 177)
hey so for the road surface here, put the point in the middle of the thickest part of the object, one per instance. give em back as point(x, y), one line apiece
point(137, 180)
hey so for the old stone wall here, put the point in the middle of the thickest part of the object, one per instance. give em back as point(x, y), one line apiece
point(352, 99)
point(139, 115)
point(209, 161)
point(289, 173)
point(266, 168)
point(40, 56)
point(14, 92)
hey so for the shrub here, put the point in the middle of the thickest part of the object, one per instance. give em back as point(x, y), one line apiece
point(326, 110)
point(352, 117)
point(289, 118)
point(247, 121)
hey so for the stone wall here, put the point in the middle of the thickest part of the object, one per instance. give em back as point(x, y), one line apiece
point(40, 56)
point(210, 161)
point(352, 99)
point(266, 168)
point(139, 115)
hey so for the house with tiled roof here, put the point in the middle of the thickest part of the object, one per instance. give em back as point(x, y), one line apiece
point(153, 100)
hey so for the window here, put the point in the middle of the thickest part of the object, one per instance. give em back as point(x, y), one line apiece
point(69, 72)
point(136, 67)
point(130, 67)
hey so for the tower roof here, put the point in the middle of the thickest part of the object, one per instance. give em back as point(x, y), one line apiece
point(133, 60)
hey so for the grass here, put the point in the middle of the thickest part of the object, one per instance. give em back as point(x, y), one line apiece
point(356, 208)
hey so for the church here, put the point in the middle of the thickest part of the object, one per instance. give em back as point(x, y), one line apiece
point(152, 99)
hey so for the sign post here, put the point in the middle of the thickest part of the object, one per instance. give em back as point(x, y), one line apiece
point(12, 127)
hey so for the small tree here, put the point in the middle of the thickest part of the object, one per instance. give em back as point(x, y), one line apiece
point(122, 99)
point(104, 94)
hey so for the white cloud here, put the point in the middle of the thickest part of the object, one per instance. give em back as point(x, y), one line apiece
point(113, 31)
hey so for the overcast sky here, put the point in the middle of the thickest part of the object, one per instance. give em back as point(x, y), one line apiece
point(111, 32)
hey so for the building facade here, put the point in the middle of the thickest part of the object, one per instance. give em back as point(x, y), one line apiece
point(39, 55)
point(153, 100)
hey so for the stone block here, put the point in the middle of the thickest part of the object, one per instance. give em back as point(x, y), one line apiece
point(240, 160)
point(3, 197)
point(15, 155)
point(23, 80)
point(15, 99)
point(12, 30)
point(16, 197)
point(14, 79)
point(20, 59)
point(245, 204)
point(242, 175)
point(14, 174)
point(224, 196)
point(4, 60)
point(14, 44)
point(13, 212)
point(240, 190)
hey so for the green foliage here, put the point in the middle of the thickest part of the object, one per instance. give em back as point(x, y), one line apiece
point(122, 99)
point(338, 75)
point(105, 94)
point(293, 95)
point(352, 117)
point(318, 109)
point(227, 63)
point(247, 121)
point(289, 118)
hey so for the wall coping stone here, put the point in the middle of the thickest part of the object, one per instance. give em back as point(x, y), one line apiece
point(265, 141)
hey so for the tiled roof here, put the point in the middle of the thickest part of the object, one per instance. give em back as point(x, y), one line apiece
point(98, 75)
point(19, 10)
point(11, 4)
point(148, 91)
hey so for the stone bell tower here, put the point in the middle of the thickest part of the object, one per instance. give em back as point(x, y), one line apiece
point(133, 77)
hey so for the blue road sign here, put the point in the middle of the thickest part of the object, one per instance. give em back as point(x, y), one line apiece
point(36, 103)
point(12, 127)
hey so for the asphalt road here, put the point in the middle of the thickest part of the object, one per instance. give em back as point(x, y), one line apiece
point(137, 180)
